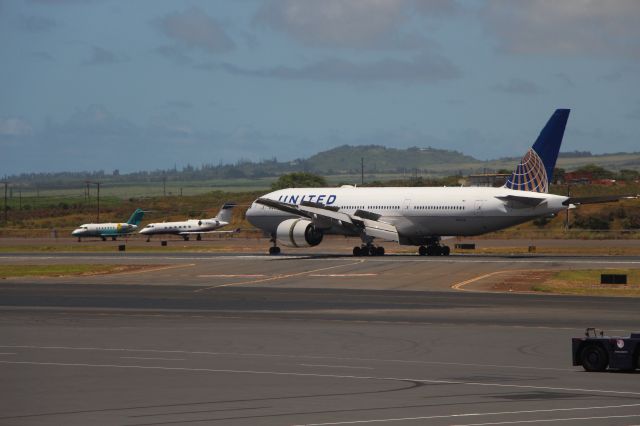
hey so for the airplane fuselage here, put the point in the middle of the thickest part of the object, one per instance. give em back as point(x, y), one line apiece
point(417, 212)
point(104, 229)
point(191, 226)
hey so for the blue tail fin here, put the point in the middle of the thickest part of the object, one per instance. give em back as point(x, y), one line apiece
point(535, 171)
point(136, 217)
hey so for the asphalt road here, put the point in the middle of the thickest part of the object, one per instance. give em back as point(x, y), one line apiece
point(246, 340)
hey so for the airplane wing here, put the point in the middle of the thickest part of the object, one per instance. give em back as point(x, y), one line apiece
point(325, 217)
point(232, 231)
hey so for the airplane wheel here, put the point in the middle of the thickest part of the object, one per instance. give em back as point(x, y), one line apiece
point(379, 251)
point(274, 250)
point(422, 251)
point(356, 251)
point(199, 238)
point(103, 239)
point(446, 251)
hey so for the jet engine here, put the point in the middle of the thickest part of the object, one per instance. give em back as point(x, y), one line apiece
point(298, 233)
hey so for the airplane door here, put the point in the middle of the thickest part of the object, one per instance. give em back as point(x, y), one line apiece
point(477, 207)
point(406, 204)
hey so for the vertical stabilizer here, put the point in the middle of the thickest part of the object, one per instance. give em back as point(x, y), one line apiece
point(535, 171)
point(224, 215)
point(136, 217)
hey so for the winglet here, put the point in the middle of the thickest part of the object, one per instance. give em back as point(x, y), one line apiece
point(535, 170)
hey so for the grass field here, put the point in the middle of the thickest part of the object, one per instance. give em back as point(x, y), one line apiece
point(13, 271)
point(587, 282)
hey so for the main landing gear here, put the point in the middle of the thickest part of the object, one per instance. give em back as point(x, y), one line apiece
point(368, 250)
point(434, 250)
point(273, 250)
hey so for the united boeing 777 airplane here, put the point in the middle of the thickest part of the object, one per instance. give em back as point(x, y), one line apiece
point(109, 230)
point(419, 216)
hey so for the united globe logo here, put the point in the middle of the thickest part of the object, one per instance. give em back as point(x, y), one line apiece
point(529, 175)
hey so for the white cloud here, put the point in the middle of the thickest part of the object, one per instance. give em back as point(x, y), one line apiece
point(571, 27)
point(193, 28)
point(353, 23)
point(356, 24)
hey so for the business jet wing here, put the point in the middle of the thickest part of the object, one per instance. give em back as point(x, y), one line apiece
point(232, 231)
point(325, 217)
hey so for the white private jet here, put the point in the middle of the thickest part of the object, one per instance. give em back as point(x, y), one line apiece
point(189, 227)
point(109, 230)
point(419, 216)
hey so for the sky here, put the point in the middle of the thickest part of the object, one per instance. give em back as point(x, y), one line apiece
point(157, 84)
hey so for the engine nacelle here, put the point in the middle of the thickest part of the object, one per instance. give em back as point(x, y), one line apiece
point(298, 233)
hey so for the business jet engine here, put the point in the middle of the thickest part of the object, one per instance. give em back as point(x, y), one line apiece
point(298, 233)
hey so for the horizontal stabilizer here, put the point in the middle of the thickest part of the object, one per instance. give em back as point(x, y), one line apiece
point(523, 200)
point(599, 199)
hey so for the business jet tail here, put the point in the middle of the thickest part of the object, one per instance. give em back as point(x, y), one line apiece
point(535, 171)
point(224, 215)
point(136, 217)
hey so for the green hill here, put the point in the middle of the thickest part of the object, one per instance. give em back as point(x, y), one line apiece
point(346, 159)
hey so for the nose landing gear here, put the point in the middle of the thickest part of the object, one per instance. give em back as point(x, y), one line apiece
point(273, 250)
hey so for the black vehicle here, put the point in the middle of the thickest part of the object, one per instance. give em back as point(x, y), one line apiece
point(596, 352)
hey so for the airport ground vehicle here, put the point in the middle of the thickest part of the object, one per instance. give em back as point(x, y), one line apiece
point(596, 352)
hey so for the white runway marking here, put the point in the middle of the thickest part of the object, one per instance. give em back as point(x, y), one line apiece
point(551, 420)
point(325, 376)
point(231, 276)
point(279, 277)
point(8, 353)
point(498, 413)
point(343, 275)
point(289, 356)
point(161, 359)
point(336, 366)
point(577, 260)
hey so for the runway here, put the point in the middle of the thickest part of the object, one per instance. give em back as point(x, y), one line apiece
point(245, 340)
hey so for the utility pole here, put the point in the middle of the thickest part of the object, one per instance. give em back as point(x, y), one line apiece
point(164, 185)
point(5, 201)
point(98, 183)
point(566, 224)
